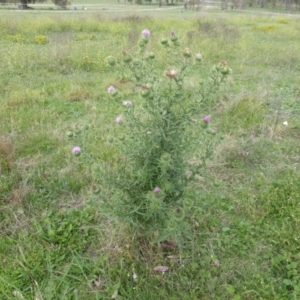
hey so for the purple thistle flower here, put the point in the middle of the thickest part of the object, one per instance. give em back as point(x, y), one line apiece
point(206, 119)
point(119, 119)
point(156, 190)
point(146, 32)
point(111, 89)
point(76, 150)
point(172, 32)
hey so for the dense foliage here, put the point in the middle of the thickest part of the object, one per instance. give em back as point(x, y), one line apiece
point(241, 236)
point(24, 3)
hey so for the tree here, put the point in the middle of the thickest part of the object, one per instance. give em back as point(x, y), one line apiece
point(62, 3)
point(23, 4)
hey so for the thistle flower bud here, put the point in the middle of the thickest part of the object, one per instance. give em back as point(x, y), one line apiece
point(179, 213)
point(145, 39)
point(223, 67)
point(95, 189)
point(145, 93)
point(225, 70)
point(151, 55)
point(187, 52)
point(127, 59)
point(211, 131)
point(198, 57)
point(173, 36)
point(164, 41)
point(110, 139)
point(137, 62)
point(111, 61)
point(114, 94)
point(142, 43)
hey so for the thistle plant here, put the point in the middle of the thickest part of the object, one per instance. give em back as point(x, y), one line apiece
point(150, 186)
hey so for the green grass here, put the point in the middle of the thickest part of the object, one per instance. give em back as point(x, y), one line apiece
point(241, 240)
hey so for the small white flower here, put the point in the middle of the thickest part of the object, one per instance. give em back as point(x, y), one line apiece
point(134, 275)
point(18, 294)
point(285, 123)
point(127, 102)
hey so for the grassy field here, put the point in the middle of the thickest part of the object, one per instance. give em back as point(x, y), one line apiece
point(242, 232)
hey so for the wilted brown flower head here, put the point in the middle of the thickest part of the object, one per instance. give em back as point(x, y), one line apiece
point(172, 73)
point(223, 63)
point(145, 87)
point(187, 52)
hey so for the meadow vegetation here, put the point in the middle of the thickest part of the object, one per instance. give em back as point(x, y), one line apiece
point(239, 236)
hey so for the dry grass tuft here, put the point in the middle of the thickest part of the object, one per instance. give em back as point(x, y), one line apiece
point(6, 154)
point(79, 96)
point(18, 195)
point(219, 28)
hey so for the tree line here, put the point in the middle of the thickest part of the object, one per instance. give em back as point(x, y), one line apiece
point(23, 4)
point(288, 5)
